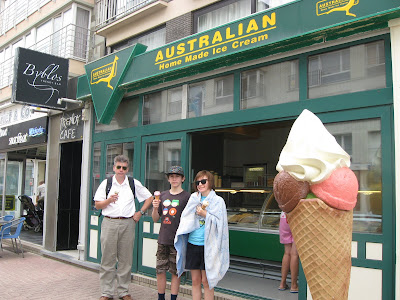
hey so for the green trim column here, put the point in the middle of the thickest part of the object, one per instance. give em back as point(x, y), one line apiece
point(394, 26)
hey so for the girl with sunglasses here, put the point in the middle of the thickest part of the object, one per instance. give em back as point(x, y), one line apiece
point(202, 238)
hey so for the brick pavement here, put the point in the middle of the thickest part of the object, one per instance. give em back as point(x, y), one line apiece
point(39, 278)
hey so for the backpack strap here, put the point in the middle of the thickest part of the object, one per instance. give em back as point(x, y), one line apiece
point(132, 185)
point(108, 186)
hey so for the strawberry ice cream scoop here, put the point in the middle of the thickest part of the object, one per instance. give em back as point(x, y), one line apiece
point(339, 190)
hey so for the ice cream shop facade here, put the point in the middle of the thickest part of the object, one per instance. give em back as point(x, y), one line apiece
point(225, 100)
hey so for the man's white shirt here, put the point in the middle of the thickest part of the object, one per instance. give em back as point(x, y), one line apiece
point(125, 205)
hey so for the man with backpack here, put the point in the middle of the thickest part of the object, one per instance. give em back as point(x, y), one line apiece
point(117, 202)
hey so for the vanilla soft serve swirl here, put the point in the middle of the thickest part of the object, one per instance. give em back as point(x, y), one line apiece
point(311, 153)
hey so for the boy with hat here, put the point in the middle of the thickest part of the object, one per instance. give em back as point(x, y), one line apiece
point(169, 208)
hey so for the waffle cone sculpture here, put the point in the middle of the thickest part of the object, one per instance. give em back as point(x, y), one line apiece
point(323, 239)
point(318, 191)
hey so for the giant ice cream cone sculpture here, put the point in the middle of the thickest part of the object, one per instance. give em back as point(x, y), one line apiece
point(318, 191)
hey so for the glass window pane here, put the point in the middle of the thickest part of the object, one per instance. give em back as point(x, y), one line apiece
point(362, 140)
point(210, 97)
point(126, 116)
point(274, 84)
point(152, 107)
point(357, 68)
point(224, 15)
point(13, 176)
point(162, 106)
point(29, 179)
point(114, 150)
point(159, 157)
point(152, 40)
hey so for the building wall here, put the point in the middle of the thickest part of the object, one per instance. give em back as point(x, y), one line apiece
point(179, 27)
point(119, 31)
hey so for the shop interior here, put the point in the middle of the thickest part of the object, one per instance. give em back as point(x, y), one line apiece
point(243, 161)
point(25, 169)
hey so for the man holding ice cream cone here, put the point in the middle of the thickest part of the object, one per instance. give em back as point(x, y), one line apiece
point(118, 228)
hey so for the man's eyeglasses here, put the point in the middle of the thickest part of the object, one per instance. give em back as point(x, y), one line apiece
point(203, 181)
point(123, 168)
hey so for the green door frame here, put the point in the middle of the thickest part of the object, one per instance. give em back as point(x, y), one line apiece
point(106, 139)
point(183, 137)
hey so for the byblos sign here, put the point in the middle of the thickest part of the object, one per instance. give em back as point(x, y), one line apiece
point(39, 79)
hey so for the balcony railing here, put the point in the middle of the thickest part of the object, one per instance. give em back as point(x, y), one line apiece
point(70, 42)
point(17, 11)
point(108, 11)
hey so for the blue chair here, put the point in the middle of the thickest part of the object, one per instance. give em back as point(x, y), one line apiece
point(5, 220)
point(15, 223)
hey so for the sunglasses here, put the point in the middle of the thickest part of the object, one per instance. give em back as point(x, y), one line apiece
point(123, 168)
point(203, 181)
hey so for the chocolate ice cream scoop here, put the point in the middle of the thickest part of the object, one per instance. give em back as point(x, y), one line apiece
point(288, 191)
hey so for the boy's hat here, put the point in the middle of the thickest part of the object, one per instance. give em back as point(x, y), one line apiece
point(175, 170)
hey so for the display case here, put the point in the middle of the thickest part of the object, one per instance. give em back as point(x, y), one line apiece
point(251, 209)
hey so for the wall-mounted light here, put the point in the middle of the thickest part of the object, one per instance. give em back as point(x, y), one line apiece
point(74, 101)
point(39, 110)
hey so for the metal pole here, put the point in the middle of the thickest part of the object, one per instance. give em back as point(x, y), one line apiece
point(3, 205)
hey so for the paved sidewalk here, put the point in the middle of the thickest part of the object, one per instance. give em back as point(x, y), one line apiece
point(39, 278)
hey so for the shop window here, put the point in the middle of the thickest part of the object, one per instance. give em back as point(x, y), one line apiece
point(209, 97)
point(353, 69)
point(162, 106)
point(159, 157)
point(152, 39)
point(227, 11)
point(330, 68)
point(362, 140)
point(274, 84)
point(126, 116)
point(174, 104)
point(13, 184)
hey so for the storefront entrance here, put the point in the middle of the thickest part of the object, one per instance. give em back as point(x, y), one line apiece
point(69, 196)
point(243, 160)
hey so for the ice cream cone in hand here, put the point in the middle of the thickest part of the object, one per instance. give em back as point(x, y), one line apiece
point(204, 204)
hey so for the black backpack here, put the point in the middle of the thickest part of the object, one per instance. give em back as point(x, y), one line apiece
point(131, 184)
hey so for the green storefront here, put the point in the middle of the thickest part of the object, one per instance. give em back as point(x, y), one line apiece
point(225, 100)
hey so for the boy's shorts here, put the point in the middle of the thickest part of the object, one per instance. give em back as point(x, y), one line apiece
point(166, 259)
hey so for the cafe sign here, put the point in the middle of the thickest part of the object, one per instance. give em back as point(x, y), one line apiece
point(40, 79)
point(71, 125)
point(24, 134)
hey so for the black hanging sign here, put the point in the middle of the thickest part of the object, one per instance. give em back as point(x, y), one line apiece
point(40, 79)
point(71, 125)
